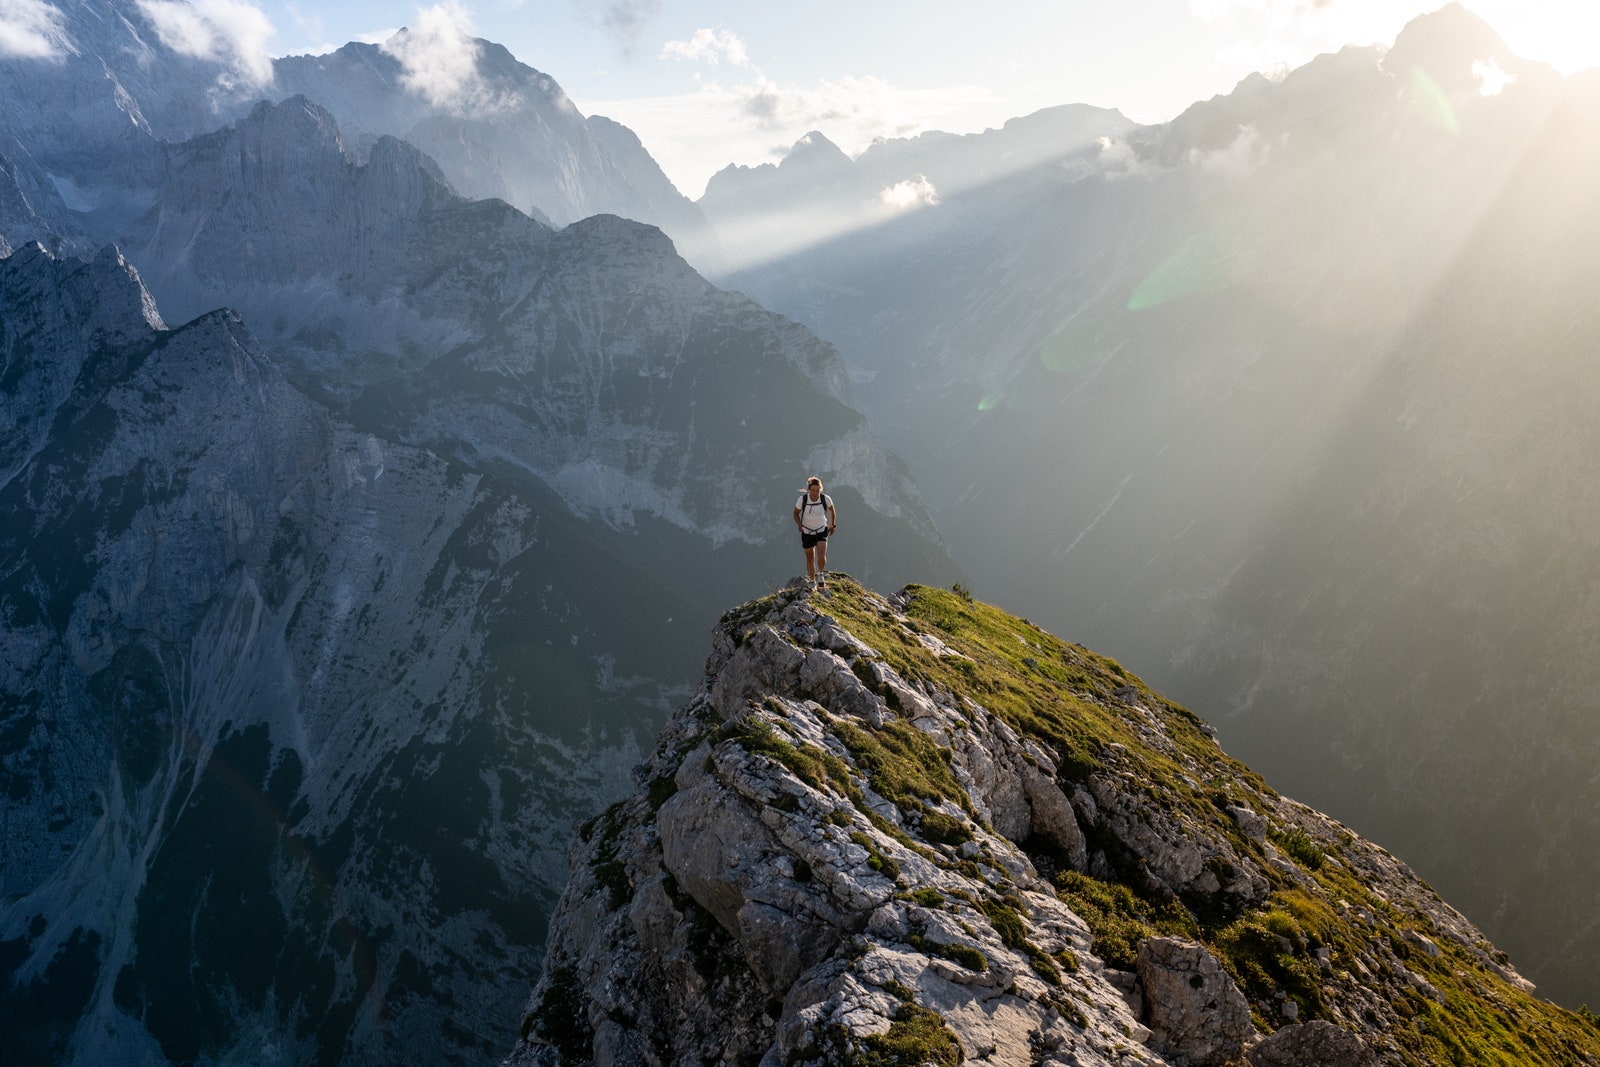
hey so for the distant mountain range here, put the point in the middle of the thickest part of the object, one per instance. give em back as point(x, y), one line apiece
point(506, 131)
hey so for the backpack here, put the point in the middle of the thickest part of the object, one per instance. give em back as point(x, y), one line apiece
point(806, 502)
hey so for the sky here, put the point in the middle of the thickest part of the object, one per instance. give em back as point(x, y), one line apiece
point(706, 83)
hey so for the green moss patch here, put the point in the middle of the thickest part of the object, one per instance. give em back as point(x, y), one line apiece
point(818, 768)
point(916, 1036)
point(884, 865)
point(1119, 918)
point(610, 873)
point(904, 765)
point(1006, 917)
point(941, 829)
point(1297, 843)
point(969, 956)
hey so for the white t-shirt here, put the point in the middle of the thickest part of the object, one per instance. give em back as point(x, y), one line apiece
point(813, 513)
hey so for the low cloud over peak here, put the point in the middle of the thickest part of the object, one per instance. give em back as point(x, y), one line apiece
point(31, 29)
point(230, 32)
point(439, 57)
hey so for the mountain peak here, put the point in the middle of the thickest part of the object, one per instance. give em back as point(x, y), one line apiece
point(105, 294)
point(815, 152)
point(1445, 43)
point(918, 829)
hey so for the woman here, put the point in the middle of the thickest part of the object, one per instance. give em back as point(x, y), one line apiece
point(814, 517)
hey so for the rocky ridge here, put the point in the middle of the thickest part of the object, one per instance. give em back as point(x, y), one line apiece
point(919, 830)
point(1307, 375)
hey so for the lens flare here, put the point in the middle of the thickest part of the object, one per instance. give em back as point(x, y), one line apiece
point(1067, 351)
point(1195, 267)
point(1432, 103)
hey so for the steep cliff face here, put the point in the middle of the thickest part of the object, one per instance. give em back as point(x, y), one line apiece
point(593, 359)
point(294, 718)
point(31, 208)
point(511, 132)
point(919, 830)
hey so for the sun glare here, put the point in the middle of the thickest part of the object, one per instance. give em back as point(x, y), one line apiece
point(1562, 33)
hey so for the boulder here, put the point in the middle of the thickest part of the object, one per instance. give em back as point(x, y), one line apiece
point(1197, 1016)
point(1313, 1044)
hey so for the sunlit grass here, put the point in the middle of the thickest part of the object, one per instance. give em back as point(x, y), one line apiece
point(1290, 947)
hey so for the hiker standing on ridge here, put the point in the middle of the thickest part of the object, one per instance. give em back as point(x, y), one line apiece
point(814, 517)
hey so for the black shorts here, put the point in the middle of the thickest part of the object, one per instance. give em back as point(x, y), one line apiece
point(809, 540)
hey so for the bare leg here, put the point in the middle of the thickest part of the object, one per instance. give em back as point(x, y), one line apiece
point(811, 561)
point(822, 555)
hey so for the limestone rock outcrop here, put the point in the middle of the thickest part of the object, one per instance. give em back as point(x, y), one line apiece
point(1312, 1044)
point(1196, 1014)
point(917, 830)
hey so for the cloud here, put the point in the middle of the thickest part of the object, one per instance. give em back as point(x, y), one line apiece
point(1239, 160)
point(709, 46)
point(908, 194)
point(1118, 159)
point(762, 101)
point(1492, 81)
point(310, 25)
point(622, 20)
point(230, 32)
point(744, 117)
point(868, 104)
point(771, 107)
point(31, 29)
point(439, 60)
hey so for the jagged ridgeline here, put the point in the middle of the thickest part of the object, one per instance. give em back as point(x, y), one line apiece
point(921, 830)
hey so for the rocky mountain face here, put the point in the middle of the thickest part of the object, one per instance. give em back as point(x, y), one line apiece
point(1285, 399)
point(30, 205)
point(109, 86)
point(283, 702)
point(122, 80)
point(510, 133)
point(593, 358)
point(316, 638)
point(363, 684)
point(917, 829)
